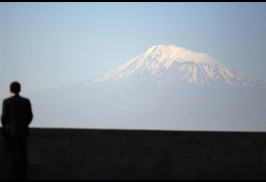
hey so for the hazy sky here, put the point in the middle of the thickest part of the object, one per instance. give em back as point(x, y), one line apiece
point(45, 45)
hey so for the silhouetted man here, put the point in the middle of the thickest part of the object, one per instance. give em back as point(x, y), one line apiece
point(16, 117)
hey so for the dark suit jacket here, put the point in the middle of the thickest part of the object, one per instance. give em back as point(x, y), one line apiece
point(16, 115)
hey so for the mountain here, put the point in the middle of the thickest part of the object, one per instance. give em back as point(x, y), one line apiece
point(165, 88)
point(171, 64)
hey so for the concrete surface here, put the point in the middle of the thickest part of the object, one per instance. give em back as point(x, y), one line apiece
point(128, 154)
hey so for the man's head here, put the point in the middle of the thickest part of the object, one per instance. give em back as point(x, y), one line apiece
point(15, 87)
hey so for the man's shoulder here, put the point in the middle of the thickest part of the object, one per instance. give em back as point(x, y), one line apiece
point(8, 99)
point(24, 98)
point(14, 98)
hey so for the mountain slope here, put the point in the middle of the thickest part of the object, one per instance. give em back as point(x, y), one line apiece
point(175, 64)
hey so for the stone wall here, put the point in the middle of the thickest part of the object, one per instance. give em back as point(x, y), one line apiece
point(128, 154)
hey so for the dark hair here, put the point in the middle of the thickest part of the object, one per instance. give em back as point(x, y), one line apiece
point(15, 87)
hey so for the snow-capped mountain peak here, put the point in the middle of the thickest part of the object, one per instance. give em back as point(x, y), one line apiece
point(175, 64)
point(171, 53)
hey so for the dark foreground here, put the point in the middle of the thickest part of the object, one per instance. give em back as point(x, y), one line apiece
point(127, 154)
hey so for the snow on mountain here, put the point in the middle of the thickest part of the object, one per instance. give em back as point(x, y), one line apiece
point(175, 64)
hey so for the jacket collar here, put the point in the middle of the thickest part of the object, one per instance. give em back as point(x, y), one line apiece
point(16, 95)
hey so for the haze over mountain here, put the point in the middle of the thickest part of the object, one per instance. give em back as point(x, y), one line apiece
point(165, 88)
